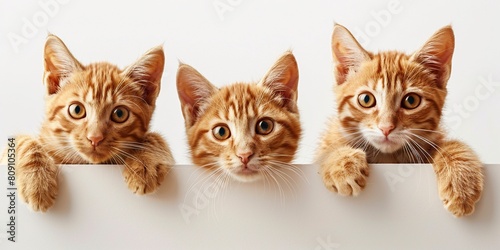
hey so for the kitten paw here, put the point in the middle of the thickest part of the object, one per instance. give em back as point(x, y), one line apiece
point(460, 178)
point(145, 179)
point(147, 167)
point(37, 184)
point(345, 171)
point(460, 193)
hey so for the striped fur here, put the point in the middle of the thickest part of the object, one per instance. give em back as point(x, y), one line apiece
point(393, 131)
point(246, 155)
point(99, 89)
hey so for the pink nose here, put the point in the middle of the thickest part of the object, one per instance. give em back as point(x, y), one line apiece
point(245, 157)
point(386, 129)
point(95, 139)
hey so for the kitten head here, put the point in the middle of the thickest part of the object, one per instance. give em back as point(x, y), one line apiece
point(391, 99)
point(244, 130)
point(97, 112)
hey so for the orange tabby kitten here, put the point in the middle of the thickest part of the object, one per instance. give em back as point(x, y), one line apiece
point(246, 131)
point(95, 113)
point(389, 110)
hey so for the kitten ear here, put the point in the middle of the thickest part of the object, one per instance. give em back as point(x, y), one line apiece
point(436, 54)
point(347, 53)
point(283, 79)
point(59, 63)
point(194, 91)
point(147, 71)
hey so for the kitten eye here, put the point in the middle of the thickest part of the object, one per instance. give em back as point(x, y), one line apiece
point(411, 101)
point(264, 126)
point(119, 115)
point(366, 100)
point(76, 110)
point(221, 132)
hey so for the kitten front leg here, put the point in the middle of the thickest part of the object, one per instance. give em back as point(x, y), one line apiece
point(344, 170)
point(459, 176)
point(146, 167)
point(36, 174)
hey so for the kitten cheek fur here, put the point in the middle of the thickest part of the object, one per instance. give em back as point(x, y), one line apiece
point(345, 151)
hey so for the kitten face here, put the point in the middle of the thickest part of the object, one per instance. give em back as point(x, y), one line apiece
point(97, 113)
point(243, 130)
point(390, 100)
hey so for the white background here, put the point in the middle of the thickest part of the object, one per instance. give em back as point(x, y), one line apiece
point(241, 43)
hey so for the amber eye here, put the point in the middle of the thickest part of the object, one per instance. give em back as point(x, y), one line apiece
point(76, 110)
point(264, 126)
point(366, 100)
point(221, 132)
point(411, 101)
point(119, 115)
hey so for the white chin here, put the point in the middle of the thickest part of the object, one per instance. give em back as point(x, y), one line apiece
point(246, 176)
point(387, 147)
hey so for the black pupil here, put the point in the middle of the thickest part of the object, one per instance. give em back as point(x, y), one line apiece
point(119, 113)
point(410, 100)
point(77, 109)
point(366, 99)
point(222, 132)
point(264, 125)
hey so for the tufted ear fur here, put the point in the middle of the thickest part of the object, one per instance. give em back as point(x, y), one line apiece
point(194, 91)
point(59, 64)
point(147, 71)
point(283, 79)
point(436, 54)
point(347, 53)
